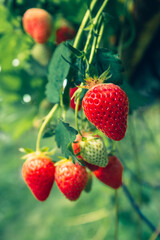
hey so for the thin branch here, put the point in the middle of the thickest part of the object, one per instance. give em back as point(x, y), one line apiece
point(139, 212)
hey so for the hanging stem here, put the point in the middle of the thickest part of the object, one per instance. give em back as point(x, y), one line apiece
point(63, 112)
point(116, 215)
point(47, 119)
point(96, 41)
point(88, 40)
point(100, 35)
point(76, 116)
point(100, 12)
point(84, 21)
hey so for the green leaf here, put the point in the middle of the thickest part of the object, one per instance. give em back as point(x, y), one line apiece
point(75, 51)
point(58, 71)
point(50, 131)
point(65, 135)
point(26, 150)
point(44, 149)
point(104, 59)
point(88, 27)
point(105, 75)
point(79, 73)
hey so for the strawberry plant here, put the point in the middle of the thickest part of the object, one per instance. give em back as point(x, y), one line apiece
point(75, 81)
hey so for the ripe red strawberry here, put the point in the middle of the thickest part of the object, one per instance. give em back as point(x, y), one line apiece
point(38, 173)
point(71, 179)
point(77, 148)
point(72, 103)
point(65, 33)
point(111, 175)
point(38, 24)
point(106, 106)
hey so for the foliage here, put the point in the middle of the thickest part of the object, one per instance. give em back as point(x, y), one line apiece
point(108, 45)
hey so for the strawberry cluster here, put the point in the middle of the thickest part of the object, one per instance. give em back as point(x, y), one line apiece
point(39, 172)
point(105, 105)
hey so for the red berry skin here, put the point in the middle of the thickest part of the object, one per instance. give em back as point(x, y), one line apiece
point(71, 179)
point(111, 175)
point(38, 173)
point(106, 106)
point(91, 167)
point(38, 24)
point(72, 103)
point(76, 148)
point(65, 33)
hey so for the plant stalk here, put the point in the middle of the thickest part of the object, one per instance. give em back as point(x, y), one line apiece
point(47, 119)
point(84, 21)
point(76, 116)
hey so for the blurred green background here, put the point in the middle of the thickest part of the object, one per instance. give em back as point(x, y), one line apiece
point(23, 105)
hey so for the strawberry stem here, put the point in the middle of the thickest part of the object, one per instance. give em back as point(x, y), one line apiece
point(47, 119)
point(76, 116)
point(84, 21)
point(63, 112)
point(100, 35)
point(95, 44)
point(96, 32)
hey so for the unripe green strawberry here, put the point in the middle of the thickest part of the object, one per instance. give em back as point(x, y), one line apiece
point(38, 173)
point(77, 149)
point(38, 24)
point(93, 151)
point(106, 106)
point(41, 53)
point(111, 175)
point(71, 178)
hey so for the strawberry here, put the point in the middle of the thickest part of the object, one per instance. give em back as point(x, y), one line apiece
point(90, 166)
point(75, 145)
point(92, 150)
point(41, 53)
point(65, 33)
point(38, 24)
point(111, 175)
point(70, 178)
point(38, 173)
point(72, 103)
point(106, 106)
